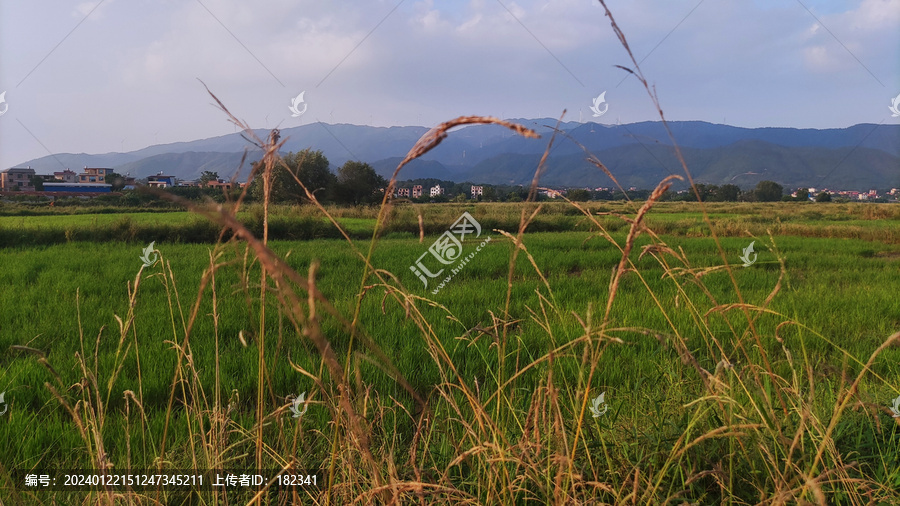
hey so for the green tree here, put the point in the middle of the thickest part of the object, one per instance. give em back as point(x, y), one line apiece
point(358, 183)
point(116, 180)
point(703, 190)
point(310, 167)
point(38, 183)
point(578, 195)
point(729, 193)
point(489, 194)
point(768, 191)
point(823, 197)
point(208, 176)
point(802, 194)
point(602, 195)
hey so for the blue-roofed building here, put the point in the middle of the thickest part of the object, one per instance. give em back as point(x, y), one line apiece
point(78, 187)
point(161, 181)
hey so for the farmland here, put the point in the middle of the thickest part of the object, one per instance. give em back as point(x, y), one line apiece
point(714, 376)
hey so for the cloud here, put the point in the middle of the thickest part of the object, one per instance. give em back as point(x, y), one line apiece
point(852, 39)
point(131, 72)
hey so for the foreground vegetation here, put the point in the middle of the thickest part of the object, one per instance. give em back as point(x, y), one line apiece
point(480, 394)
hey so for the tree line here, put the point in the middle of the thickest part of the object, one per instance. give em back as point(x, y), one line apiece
point(357, 183)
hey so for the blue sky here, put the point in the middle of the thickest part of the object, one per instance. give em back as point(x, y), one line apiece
point(119, 75)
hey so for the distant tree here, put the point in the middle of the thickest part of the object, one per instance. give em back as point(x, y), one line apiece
point(489, 194)
point(768, 191)
point(802, 194)
point(208, 176)
point(116, 180)
point(703, 190)
point(823, 197)
point(710, 193)
point(358, 183)
point(729, 193)
point(513, 197)
point(38, 183)
point(602, 195)
point(460, 197)
point(310, 167)
point(638, 194)
point(715, 193)
point(578, 195)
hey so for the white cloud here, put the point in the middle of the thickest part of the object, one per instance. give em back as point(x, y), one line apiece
point(131, 71)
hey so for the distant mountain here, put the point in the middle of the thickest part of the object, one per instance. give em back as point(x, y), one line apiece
point(417, 169)
point(639, 154)
point(186, 165)
point(743, 163)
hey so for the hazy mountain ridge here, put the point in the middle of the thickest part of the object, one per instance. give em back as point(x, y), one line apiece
point(639, 154)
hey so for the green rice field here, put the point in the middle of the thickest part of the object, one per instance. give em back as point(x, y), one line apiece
point(771, 383)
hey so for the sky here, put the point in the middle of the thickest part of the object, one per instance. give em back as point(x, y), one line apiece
point(121, 75)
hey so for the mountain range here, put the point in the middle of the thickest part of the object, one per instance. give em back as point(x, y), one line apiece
point(860, 157)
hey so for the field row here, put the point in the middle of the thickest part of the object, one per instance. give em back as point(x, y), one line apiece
point(870, 222)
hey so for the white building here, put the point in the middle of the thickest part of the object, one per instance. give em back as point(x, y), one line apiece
point(436, 190)
point(477, 191)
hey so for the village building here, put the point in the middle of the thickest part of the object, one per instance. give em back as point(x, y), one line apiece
point(16, 179)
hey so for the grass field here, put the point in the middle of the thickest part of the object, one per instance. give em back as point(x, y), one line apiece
point(845, 221)
point(738, 385)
